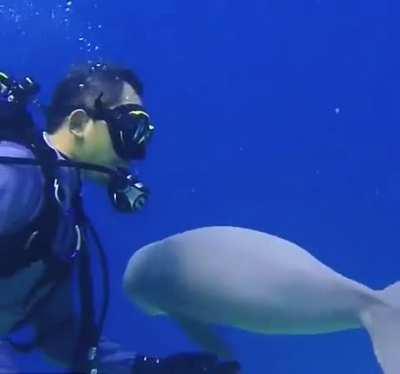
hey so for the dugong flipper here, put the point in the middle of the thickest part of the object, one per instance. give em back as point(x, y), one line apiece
point(258, 282)
point(203, 334)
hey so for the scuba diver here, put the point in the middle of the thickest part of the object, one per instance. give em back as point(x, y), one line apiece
point(96, 126)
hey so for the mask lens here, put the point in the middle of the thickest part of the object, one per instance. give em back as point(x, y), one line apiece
point(134, 132)
point(130, 129)
point(141, 127)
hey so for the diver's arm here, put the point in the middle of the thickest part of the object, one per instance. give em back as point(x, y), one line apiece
point(21, 190)
point(112, 359)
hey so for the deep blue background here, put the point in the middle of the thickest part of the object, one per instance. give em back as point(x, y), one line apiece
point(272, 114)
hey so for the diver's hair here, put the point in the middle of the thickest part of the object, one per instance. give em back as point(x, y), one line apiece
point(83, 85)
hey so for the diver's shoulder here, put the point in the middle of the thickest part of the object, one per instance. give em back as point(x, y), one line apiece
point(14, 149)
point(18, 173)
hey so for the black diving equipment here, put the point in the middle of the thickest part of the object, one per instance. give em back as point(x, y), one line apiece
point(17, 93)
point(127, 194)
point(185, 363)
point(129, 126)
point(15, 97)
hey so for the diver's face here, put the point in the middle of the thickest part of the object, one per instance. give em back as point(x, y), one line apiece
point(94, 143)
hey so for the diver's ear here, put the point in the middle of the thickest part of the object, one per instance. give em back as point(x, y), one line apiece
point(78, 121)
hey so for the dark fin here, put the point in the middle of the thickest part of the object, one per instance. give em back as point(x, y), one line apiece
point(203, 334)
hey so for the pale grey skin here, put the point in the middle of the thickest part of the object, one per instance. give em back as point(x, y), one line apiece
point(260, 283)
point(244, 278)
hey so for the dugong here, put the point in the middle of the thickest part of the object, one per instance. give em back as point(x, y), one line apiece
point(251, 280)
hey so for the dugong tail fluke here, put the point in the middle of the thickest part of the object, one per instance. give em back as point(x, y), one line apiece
point(261, 283)
point(383, 325)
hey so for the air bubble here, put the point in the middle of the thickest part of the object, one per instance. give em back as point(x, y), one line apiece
point(59, 13)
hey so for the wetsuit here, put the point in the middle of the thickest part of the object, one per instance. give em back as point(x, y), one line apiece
point(21, 200)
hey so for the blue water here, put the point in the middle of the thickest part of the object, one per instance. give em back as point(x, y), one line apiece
point(272, 114)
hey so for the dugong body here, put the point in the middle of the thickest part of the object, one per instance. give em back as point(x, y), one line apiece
point(260, 283)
